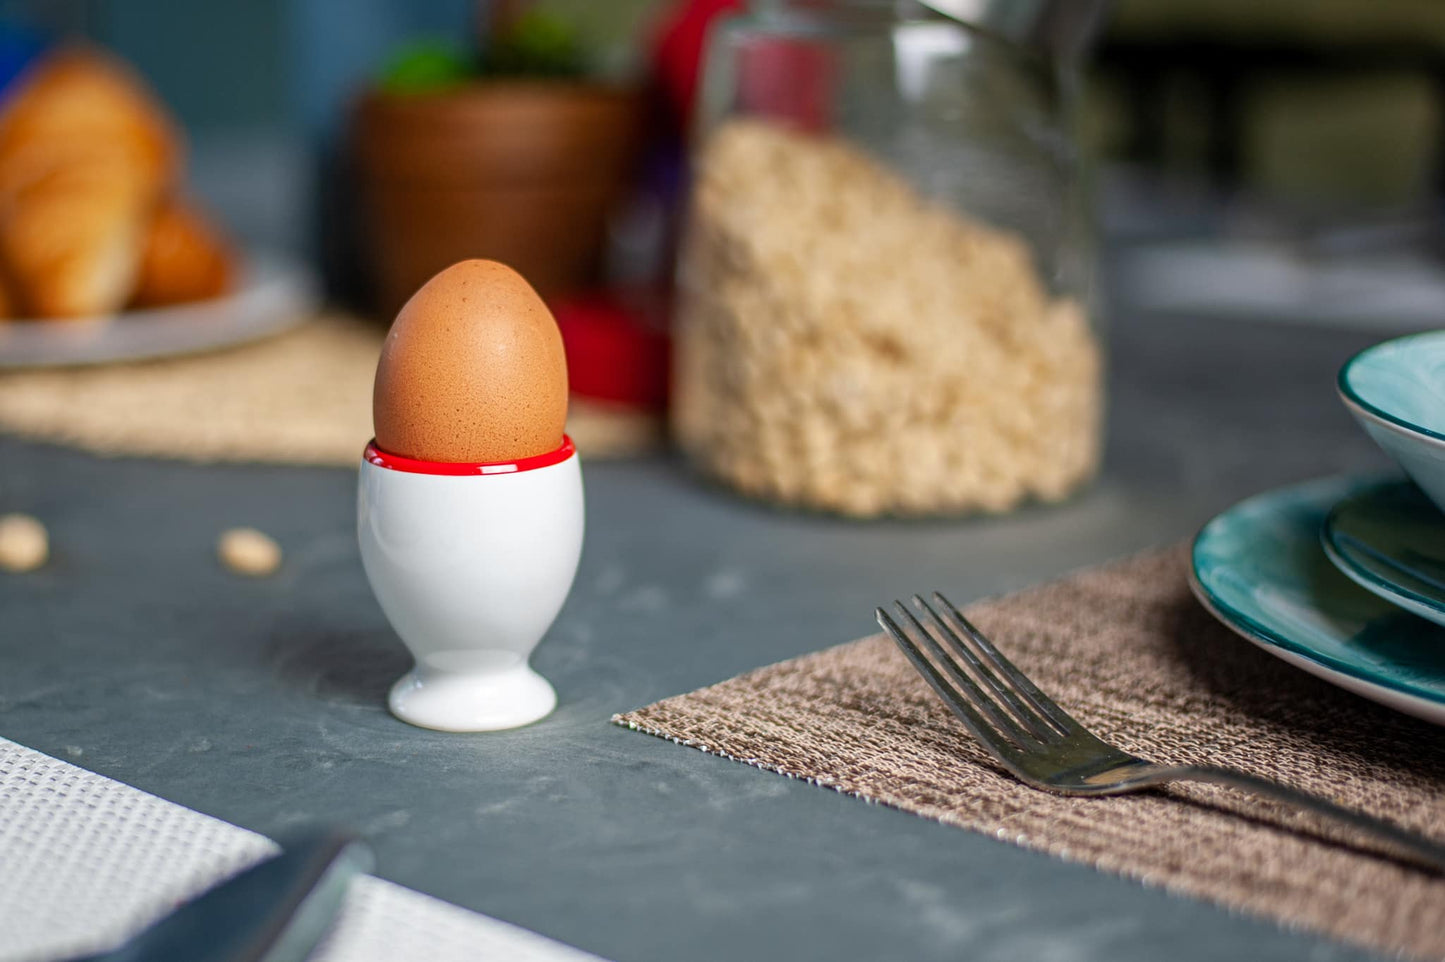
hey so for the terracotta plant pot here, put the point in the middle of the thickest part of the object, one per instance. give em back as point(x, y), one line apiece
point(524, 172)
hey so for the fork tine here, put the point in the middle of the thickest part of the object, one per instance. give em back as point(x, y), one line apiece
point(966, 685)
point(970, 710)
point(1032, 719)
point(1045, 705)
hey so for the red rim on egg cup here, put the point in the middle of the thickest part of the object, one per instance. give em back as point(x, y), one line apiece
point(395, 462)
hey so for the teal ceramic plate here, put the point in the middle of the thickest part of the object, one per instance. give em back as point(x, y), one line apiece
point(1396, 390)
point(1260, 568)
point(1390, 540)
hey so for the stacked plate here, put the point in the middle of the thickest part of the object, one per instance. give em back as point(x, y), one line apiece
point(1345, 578)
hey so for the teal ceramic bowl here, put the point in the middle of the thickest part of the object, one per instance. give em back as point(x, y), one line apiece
point(1396, 390)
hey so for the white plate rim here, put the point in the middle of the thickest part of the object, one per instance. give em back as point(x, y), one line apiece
point(276, 292)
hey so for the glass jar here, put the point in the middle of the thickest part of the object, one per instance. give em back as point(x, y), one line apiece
point(885, 280)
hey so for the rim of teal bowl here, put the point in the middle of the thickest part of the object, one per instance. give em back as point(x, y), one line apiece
point(1243, 623)
point(1348, 392)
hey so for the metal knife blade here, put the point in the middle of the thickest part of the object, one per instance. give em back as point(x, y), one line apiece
point(275, 911)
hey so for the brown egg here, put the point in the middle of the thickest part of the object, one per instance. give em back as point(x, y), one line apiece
point(472, 370)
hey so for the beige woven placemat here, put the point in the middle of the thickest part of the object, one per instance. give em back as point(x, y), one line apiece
point(1131, 654)
point(303, 397)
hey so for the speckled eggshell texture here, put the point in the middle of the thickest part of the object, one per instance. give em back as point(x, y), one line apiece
point(472, 370)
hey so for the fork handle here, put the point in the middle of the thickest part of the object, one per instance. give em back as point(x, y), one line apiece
point(1405, 844)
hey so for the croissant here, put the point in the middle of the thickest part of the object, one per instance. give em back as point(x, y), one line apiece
point(85, 155)
point(184, 258)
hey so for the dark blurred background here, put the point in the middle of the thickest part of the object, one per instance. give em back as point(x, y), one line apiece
point(1254, 142)
point(1333, 102)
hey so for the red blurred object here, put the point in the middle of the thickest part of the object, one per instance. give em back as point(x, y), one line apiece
point(786, 79)
point(614, 353)
point(677, 52)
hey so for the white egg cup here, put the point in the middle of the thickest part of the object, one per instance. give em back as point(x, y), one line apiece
point(471, 563)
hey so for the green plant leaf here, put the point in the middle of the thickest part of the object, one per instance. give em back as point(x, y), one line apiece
point(539, 44)
point(425, 66)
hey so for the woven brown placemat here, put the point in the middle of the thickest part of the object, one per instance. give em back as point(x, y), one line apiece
point(303, 397)
point(1129, 652)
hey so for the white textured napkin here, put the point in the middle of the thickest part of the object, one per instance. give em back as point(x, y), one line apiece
point(86, 861)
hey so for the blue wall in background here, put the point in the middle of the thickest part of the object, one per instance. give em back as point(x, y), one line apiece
point(215, 63)
point(248, 64)
point(334, 45)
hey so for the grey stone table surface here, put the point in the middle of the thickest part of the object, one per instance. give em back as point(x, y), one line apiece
point(262, 701)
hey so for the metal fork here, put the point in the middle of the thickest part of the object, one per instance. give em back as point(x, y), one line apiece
point(1043, 746)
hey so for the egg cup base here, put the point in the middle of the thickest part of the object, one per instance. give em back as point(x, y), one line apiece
point(472, 702)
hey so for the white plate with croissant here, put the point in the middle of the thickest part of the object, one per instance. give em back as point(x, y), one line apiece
point(103, 257)
point(271, 295)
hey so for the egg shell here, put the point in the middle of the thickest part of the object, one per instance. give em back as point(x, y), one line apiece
point(472, 370)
